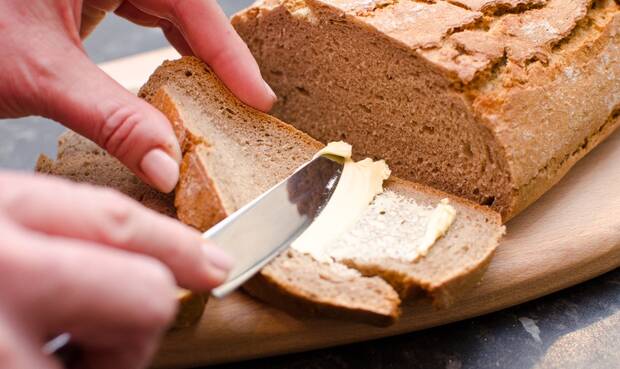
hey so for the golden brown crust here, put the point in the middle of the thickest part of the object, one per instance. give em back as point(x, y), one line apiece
point(267, 289)
point(459, 285)
point(197, 199)
point(540, 77)
point(170, 73)
point(191, 308)
point(530, 192)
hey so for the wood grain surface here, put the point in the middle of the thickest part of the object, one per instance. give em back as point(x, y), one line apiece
point(570, 235)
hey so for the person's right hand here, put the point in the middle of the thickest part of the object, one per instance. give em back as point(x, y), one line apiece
point(95, 264)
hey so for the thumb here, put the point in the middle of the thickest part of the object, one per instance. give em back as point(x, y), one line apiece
point(88, 101)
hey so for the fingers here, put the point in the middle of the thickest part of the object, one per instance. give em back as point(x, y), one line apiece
point(109, 301)
point(200, 28)
point(212, 38)
point(109, 218)
point(91, 17)
point(176, 38)
point(18, 351)
point(53, 77)
point(88, 288)
point(86, 100)
point(128, 11)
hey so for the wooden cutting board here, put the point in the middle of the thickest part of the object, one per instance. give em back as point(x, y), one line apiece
point(570, 235)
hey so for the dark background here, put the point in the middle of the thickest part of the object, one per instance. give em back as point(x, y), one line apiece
point(575, 328)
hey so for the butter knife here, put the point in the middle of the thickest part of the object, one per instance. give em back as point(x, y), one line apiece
point(260, 230)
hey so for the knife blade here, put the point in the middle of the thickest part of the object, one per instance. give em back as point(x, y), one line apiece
point(262, 229)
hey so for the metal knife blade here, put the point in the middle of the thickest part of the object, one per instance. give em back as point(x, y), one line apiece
point(259, 231)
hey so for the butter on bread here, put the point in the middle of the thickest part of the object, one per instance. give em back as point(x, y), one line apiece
point(355, 224)
point(357, 187)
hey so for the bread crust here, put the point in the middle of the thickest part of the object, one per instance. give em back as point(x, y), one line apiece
point(265, 288)
point(197, 199)
point(542, 99)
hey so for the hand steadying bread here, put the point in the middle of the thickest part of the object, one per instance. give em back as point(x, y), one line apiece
point(118, 299)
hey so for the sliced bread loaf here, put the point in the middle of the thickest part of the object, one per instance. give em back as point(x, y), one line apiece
point(490, 100)
point(232, 153)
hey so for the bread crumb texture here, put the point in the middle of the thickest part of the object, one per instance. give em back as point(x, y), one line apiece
point(492, 100)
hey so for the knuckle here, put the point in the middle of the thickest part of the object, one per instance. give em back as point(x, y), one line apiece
point(116, 128)
point(118, 218)
point(38, 80)
point(222, 56)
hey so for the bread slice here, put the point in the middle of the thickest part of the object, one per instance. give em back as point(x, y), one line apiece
point(490, 100)
point(233, 153)
point(81, 160)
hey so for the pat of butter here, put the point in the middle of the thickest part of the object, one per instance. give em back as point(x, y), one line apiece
point(440, 220)
point(359, 183)
point(336, 149)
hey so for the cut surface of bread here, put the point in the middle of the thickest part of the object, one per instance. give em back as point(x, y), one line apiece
point(233, 153)
point(491, 100)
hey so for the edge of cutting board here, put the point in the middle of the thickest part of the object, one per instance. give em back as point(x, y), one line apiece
point(568, 236)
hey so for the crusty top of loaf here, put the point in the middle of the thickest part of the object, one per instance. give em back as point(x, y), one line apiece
point(464, 38)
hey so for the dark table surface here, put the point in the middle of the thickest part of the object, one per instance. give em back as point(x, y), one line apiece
point(575, 328)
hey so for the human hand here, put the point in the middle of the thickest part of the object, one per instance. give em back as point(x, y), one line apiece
point(46, 72)
point(95, 264)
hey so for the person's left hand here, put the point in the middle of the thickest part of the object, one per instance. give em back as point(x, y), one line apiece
point(45, 71)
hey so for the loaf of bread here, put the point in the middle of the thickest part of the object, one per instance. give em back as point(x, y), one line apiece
point(492, 100)
point(233, 153)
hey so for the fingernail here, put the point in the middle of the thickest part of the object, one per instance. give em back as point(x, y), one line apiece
point(161, 169)
point(270, 92)
point(218, 257)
